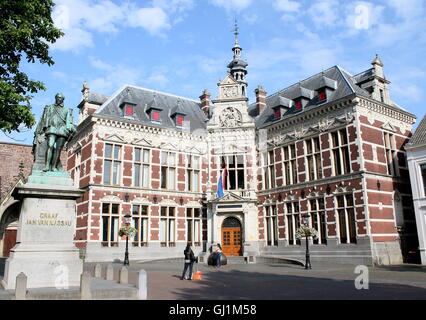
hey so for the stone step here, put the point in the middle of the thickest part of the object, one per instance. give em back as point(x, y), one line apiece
point(235, 260)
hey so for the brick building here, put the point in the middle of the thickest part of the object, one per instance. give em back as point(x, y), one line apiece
point(331, 145)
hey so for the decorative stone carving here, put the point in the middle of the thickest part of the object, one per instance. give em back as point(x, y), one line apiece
point(111, 197)
point(230, 92)
point(230, 117)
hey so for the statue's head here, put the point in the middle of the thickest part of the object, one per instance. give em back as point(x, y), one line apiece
point(59, 98)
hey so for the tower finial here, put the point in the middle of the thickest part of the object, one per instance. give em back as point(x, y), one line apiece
point(236, 33)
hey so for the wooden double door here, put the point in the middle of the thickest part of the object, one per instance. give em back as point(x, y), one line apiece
point(232, 237)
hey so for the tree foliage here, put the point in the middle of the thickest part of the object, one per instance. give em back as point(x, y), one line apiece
point(26, 29)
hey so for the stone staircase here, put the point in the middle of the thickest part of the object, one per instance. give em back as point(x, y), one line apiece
point(236, 260)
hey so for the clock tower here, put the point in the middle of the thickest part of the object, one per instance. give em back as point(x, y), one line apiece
point(232, 219)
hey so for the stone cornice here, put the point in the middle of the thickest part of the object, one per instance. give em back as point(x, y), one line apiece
point(386, 110)
point(312, 184)
point(137, 126)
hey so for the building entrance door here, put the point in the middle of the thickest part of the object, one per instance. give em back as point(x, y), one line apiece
point(9, 242)
point(232, 237)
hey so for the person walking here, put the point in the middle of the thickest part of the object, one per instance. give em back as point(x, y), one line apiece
point(218, 255)
point(189, 261)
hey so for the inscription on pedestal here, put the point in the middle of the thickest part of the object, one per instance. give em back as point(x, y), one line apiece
point(49, 219)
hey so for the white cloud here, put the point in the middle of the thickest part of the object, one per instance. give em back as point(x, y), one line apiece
point(230, 5)
point(251, 18)
point(324, 13)
point(407, 9)
point(287, 5)
point(80, 18)
point(154, 20)
point(173, 6)
point(74, 39)
point(409, 92)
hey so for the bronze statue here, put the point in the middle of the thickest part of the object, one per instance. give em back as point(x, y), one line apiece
point(54, 129)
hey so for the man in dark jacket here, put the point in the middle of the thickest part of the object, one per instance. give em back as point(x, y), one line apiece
point(189, 261)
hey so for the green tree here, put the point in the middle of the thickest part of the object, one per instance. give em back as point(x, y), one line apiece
point(26, 28)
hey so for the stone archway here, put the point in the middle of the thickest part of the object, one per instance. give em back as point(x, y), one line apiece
point(9, 214)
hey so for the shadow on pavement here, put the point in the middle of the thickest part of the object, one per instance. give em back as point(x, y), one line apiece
point(241, 285)
point(404, 268)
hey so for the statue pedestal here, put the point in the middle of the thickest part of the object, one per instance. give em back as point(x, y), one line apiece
point(45, 251)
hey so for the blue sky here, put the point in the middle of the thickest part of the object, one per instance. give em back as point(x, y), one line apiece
point(183, 46)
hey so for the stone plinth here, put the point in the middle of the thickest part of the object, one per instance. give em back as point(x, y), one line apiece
point(45, 251)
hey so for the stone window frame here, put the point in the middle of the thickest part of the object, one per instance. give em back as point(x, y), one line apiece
point(190, 170)
point(113, 160)
point(314, 153)
point(141, 242)
point(296, 220)
point(77, 168)
point(168, 165)
point(141, 163)
point(318, 211)
point(343, 151)
point(268, 169)
point(168, 218)
point(345, 208)
point(190, 220)
point(391, 154)
point(271, 225)
point(290, 162)
point(110, 216)
point(236, 169)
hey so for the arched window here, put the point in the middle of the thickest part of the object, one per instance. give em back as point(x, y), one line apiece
point(231, 223)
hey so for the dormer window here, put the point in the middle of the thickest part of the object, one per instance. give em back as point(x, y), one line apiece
point(322, 95)
point(298, 104)
point(179, 120)
point(155, 115)
point(277, 112)
point(128, 109)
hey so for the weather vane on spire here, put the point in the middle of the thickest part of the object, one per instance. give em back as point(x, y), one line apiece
point(235, 31)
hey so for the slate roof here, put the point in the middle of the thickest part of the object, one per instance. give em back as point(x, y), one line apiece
point(343, 83)
point(145, 98)
point(419, 136)
point(335, 77)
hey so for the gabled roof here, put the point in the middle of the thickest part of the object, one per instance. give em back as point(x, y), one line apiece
point(144, 98)
point(419, 136)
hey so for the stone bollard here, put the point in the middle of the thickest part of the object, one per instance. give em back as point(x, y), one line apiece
point(142, 285)
point(98, 271)
point(110, 272)
point(21, 287)
point(124, 275)
point(85, 286)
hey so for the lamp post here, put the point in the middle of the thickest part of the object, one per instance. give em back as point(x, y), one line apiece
point(308, 256)
point(127, 221)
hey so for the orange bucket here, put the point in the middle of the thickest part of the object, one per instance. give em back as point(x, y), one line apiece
point(198, 275)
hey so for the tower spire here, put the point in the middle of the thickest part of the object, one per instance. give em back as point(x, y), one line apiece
point(236, 48)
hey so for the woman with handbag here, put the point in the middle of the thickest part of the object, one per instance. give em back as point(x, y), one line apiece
point(189, 261)
point(218, 255)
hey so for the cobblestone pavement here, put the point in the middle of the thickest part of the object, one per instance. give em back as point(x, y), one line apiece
point(276, 282)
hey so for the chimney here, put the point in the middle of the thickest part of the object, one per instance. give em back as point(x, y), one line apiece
point(205, 103)
point(86, 108)
point(260, 99)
